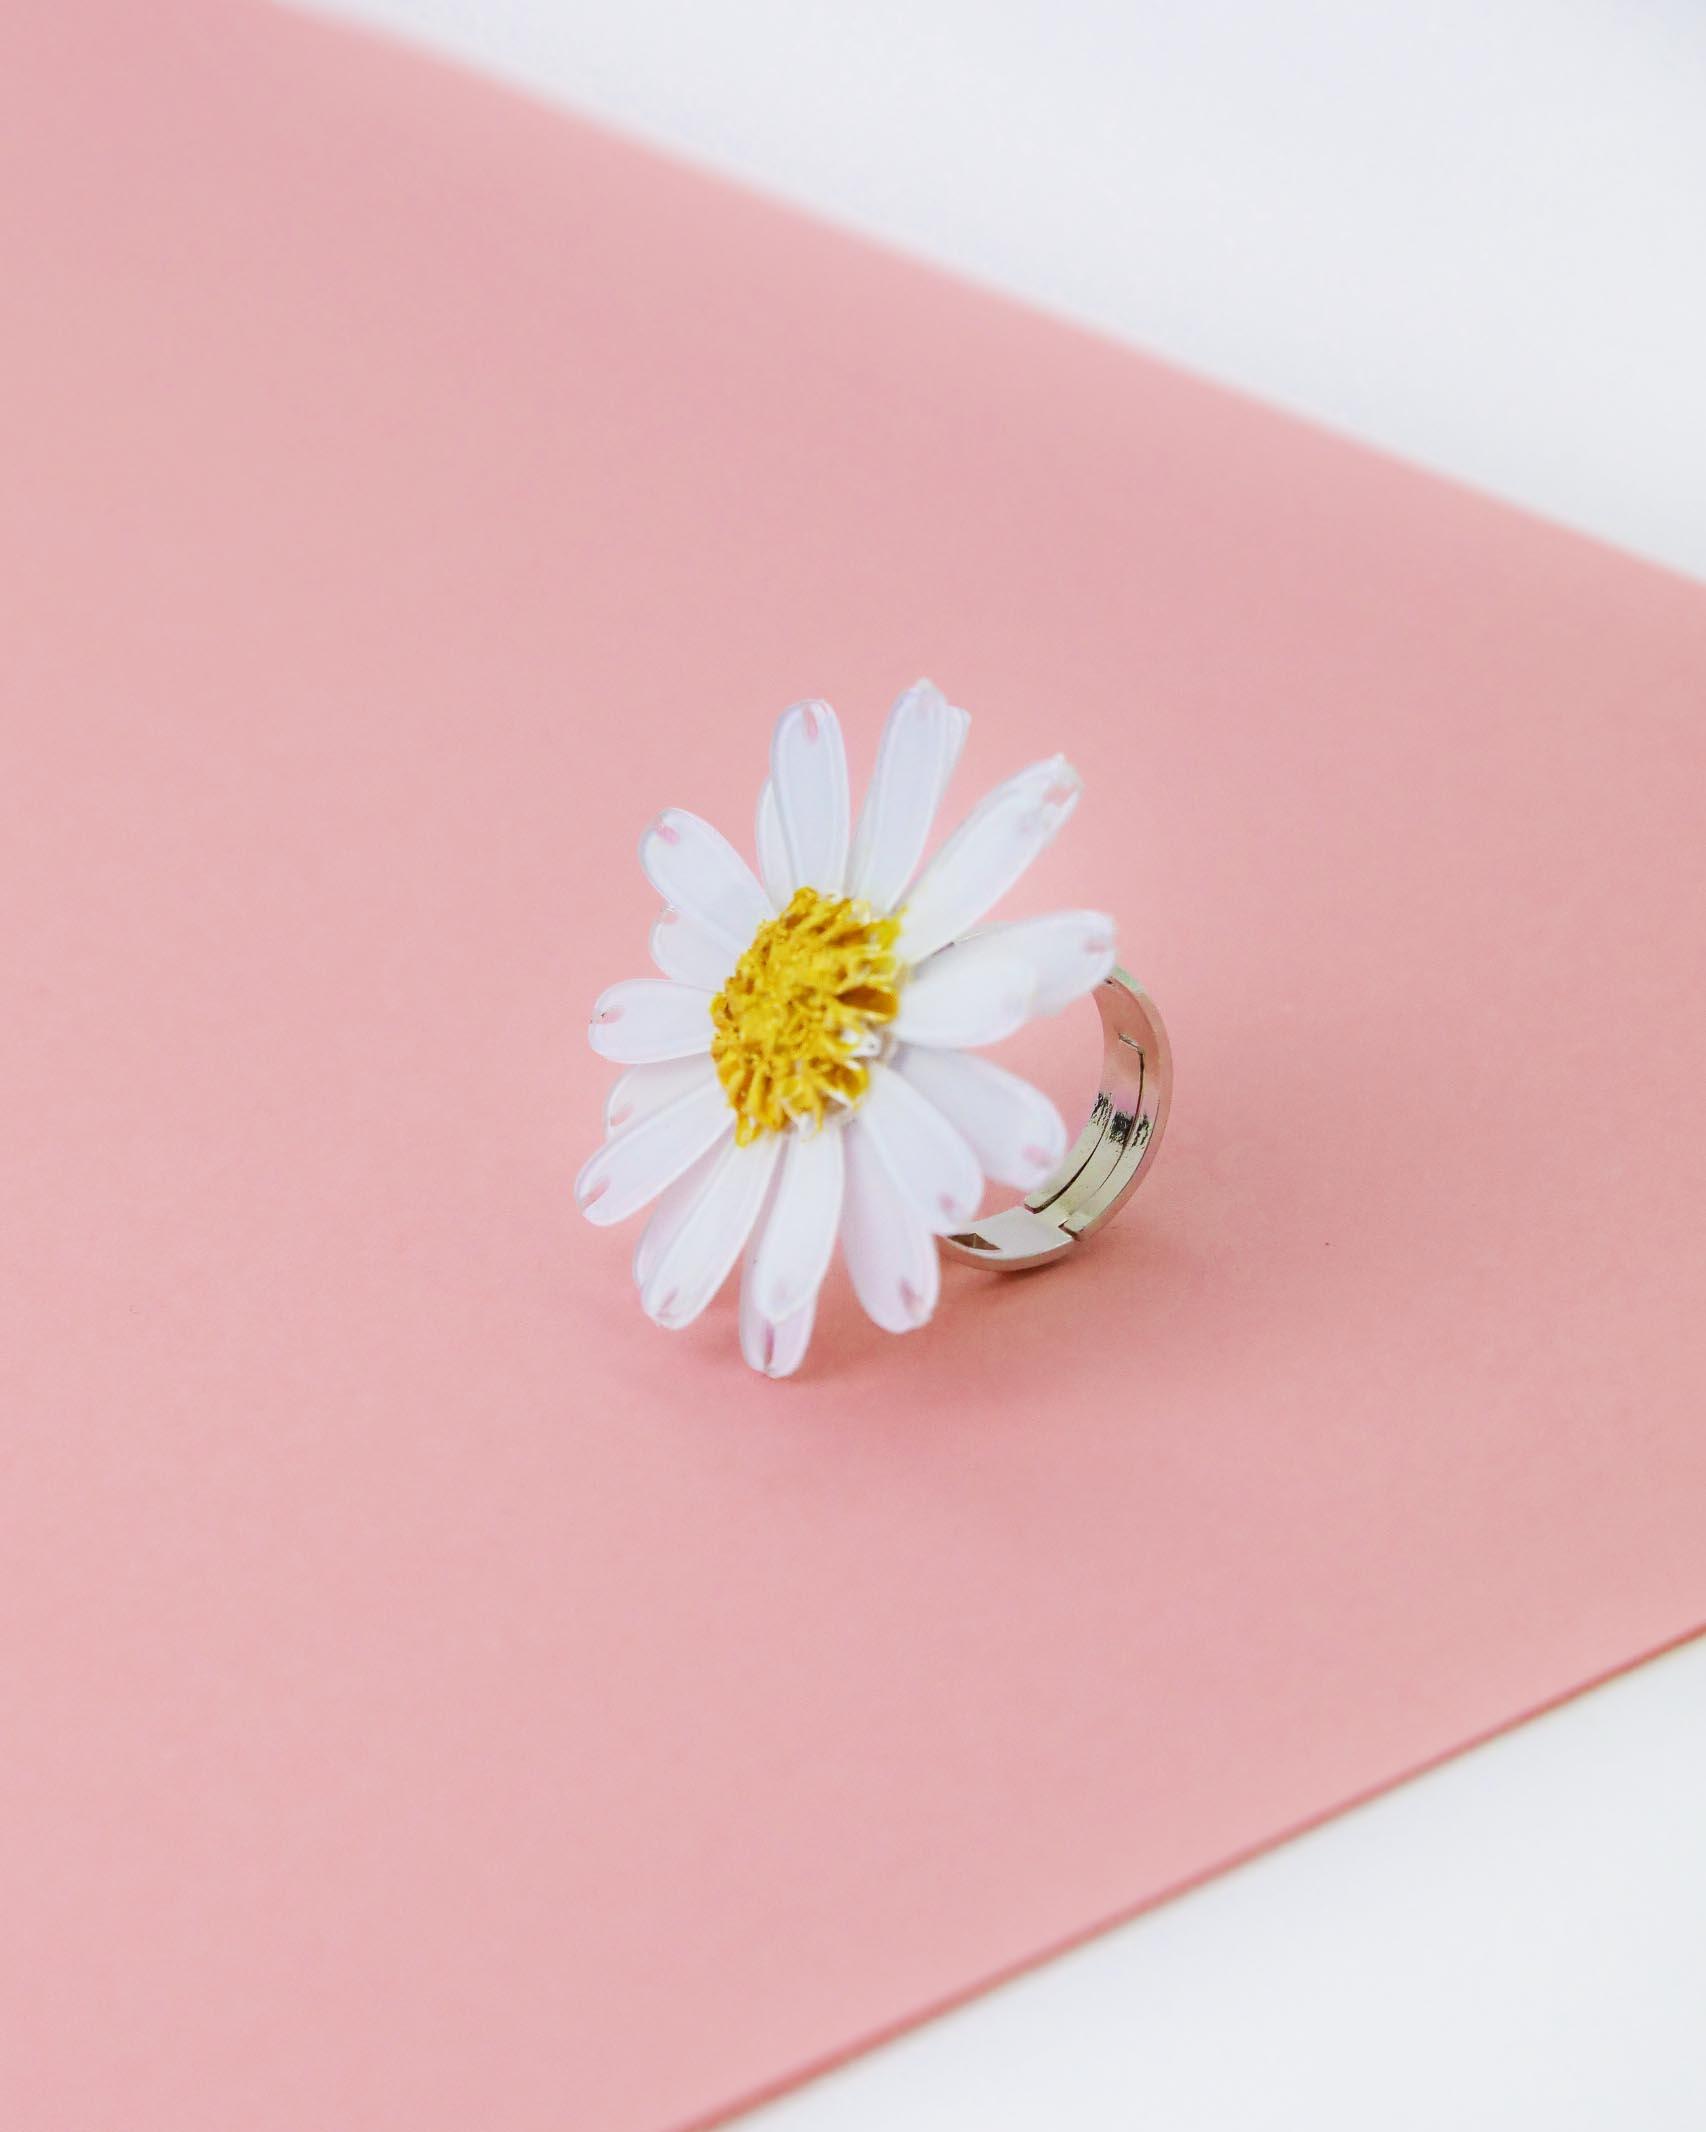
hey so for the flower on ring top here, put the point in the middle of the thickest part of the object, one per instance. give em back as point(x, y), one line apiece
point(802, 1071)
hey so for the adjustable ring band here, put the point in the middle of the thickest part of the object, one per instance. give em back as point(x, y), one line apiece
point(1112, 1156)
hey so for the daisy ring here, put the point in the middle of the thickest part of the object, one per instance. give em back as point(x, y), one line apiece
point(803, 1071)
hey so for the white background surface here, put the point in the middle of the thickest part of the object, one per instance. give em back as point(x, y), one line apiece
point(1473, 232)
point(1511, 1944)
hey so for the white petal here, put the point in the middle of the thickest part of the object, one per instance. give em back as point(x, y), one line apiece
point(643, 1089)
point(799, 1230)
point(890, 1252)
point(672, 1209)
point(928, 1159)
point(697, 870)
point(915, 758)
point(687, 951)
point(697, 1258)
point(1012, 1128)
point(962, 726)
point(967, 995)
point(808, 767)
point(775, 1350)
point(772, 848)
point(986, 855)
point(636, 1164)
point(644, 1019)
point(1069, 952)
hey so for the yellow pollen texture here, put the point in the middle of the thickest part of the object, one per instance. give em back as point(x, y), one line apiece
point(797, 1023)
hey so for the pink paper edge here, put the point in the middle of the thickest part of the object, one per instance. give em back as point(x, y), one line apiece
point(888, 2032)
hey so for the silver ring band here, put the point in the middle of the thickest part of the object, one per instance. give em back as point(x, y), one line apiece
point(1112, 1156)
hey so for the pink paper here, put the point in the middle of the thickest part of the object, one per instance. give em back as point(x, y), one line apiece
point(433, 1697)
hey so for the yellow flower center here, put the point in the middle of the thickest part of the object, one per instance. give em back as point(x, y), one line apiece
point(797, 1023)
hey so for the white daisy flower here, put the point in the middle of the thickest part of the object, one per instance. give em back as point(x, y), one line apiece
point(803, 1069)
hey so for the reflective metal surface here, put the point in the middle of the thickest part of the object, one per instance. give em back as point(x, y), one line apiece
point(1112, 1155)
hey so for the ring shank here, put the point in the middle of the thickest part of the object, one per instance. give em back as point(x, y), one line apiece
point(1112, 1155)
